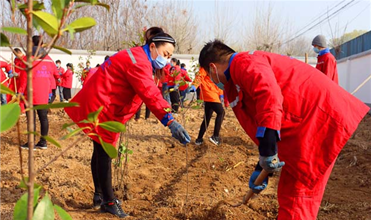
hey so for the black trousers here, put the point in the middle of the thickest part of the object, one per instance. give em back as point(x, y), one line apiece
point(148, 112)
point(211, 107)
point(175, 102)
point(44, 122)
point(102, 172)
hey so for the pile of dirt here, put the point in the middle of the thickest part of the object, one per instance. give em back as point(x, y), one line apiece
point(167, 180)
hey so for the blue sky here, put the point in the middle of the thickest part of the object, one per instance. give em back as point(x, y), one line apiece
point(299, 13)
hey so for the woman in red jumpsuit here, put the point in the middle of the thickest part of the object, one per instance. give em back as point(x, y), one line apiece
point(293, 112)
point(119, 85)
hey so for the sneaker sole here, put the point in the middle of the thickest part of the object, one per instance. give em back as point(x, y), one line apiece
point(41, 148)
point(214, 142)
point(198, 144)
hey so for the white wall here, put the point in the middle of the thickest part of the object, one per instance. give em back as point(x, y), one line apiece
point(353, 71)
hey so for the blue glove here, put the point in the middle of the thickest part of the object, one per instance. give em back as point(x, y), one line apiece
point(271, 163)
point(50, 95)
point(179, 133)
point(221, 98)
point(10, 74)
point(176, 86)
point(259, 188)
point(193, 89)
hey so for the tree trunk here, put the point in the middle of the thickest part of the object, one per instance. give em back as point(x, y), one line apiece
point(30, 120)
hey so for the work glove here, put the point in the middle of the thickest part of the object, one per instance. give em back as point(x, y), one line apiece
point(257, 189)
point(193, 89)
point(221, 98)
point(271, 163)
point(50, 95)
point(10, 74)
point(59, 80)
point(268, 158)
point(179, 133)
point(176, 86)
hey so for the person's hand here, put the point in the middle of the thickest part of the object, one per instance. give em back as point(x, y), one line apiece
point(176, 86)
point(221, 98)
point(193, 89)
point(257, 189)
point(179, 133)
point(50, 95)
point(271, 163)
point(10, 74)
point(59, 80)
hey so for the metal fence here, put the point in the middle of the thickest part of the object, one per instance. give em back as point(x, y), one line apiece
point(357, 45)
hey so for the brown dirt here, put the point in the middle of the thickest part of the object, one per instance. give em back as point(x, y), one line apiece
point(157, 178)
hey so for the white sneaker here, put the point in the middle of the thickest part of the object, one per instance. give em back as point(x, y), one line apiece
point(215, 140)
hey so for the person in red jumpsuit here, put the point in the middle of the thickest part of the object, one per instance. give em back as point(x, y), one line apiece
point(3, 78)
point(66, 82)
point(326, 62)
point(294, 113)
point(121, 84)
point(42, 81)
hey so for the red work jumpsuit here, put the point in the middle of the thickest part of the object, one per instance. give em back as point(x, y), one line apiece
point(3, 78)
point(315, 117)
point(119, 85)
point(326, 63)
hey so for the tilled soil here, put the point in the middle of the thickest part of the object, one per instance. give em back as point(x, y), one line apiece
point(160, 185)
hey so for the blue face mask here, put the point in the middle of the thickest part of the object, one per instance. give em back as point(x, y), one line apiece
point(160, 62)
point(220, 85)
point(316, 50)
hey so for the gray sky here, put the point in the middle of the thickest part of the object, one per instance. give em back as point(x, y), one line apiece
point(299, 13)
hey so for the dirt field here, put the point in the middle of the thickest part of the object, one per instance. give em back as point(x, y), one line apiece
point(158, 180)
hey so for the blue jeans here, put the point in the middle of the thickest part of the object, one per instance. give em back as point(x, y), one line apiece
point(165, 93)
point(60, 89)
point(183, 95)
point(3, 99)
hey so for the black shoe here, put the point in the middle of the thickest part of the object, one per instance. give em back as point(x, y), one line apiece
point(97, 201)
point(114, 208)
point(199, 141)
point(25, 146)
point(41, 145)
point(215, 140)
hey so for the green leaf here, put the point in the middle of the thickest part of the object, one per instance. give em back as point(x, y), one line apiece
point(62, 213)
point(4, 41)
point(196, 107)
point(6, 90)
point(9, 115)
point(36, 193)
point(56, 105)
point(20, 208)
point(23, 185)
point(113, 126)
point(51, 140)
point(74, 132)
point(71, 31)
point(93, 116)
point(57, 7)
point(62, 49)
point(66, 125)
point(44, 210)
point(15, 30)
point(85, 121)
point(81, 5)
point(48, 22)
point(82, 24)
point(109, 148)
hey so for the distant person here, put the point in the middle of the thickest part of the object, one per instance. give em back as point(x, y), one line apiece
point(213, 98)
point(59, 80)
point(85, 72)
point(14, 81)
point(67, 82)
point(183, 86)
point(42, 80)
point(173, 84)
point(4, 79)
point(326, 62)
point(293, 113)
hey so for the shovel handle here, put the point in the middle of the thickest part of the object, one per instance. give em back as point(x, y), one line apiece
point(259, 180)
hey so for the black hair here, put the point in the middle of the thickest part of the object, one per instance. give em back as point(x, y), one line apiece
point(69, 65)
point(58, 61)
point(158, 36)
point(17, 50)
point(106, 58)
point(178, 62)
point(88, 61)
point(214, 52)
point(98, 65)
point(175, 60)
point(182, 65)
point(36, 40)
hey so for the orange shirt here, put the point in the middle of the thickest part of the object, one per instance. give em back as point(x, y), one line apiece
point(209, 91)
